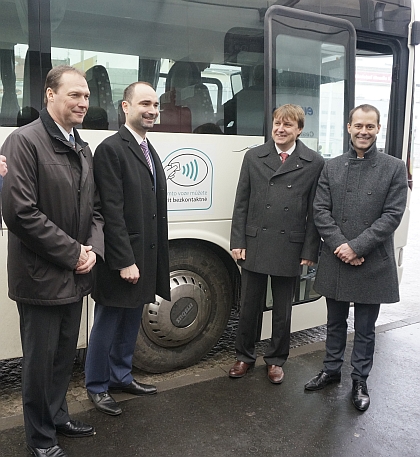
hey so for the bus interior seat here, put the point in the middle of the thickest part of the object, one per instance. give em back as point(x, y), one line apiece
point(244, 112)
point(100, 92)
point(184, 88)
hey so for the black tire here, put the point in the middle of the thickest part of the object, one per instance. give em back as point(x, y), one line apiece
point(179, 333)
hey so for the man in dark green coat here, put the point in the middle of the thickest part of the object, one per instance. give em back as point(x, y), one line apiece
point(360, 201)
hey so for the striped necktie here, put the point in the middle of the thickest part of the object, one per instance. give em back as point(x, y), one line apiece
point(146, 153)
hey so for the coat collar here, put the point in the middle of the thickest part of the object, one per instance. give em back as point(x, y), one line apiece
point(371, 153)
point(61, 146)
point(134, 146)
point(296, 160)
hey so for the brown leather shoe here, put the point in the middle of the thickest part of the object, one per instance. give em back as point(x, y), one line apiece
point(275, 374)
point(240, 369)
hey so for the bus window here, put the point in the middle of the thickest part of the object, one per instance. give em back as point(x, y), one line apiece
point(313, 70)
point(373, 86)
point(15, 101)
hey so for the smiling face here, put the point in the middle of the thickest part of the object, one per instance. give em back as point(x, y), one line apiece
point(142, 110)
point(285, 133)
point(363, 130)
point(69, 103)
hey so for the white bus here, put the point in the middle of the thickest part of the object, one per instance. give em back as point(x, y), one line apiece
point(220, 67)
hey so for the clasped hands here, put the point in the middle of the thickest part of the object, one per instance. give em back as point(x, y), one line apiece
point(345, 253)
point(87, 260)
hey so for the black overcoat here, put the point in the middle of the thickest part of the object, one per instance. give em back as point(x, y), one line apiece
point(272, 217)
point(360, 202)
point(136, 228)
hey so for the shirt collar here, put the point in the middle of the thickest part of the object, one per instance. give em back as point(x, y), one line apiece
point(137, 137)
point(289, 151)
point(63, 131)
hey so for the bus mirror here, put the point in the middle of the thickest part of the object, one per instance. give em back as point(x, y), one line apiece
point(415, 33)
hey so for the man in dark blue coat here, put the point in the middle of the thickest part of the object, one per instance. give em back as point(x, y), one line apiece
point(132, 187)
point(360, 201)
point(273, 233)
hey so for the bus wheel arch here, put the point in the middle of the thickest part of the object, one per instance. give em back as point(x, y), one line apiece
point(179, 333)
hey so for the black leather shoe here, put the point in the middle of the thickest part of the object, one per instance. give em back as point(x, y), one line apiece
point(75, 429)
point(135, 388)
point(359, 395)
point(321, 380)
point(105, 403)
point(54, 451)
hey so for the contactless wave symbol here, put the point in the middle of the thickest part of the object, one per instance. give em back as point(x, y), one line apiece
point(187, 170)
point(190, 170)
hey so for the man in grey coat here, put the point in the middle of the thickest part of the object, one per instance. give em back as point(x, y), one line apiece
point(273, 233)
point(360, 201)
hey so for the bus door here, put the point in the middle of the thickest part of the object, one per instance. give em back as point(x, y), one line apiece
point(309, 60)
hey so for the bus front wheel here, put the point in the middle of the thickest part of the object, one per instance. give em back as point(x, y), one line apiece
point(179, 333)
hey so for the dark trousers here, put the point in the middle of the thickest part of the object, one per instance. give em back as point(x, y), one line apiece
point(111, 347)
point(253, 288)
point(49, 339)
point(365, 317)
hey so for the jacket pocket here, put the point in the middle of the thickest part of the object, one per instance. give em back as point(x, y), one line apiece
point(251, 231)
point(297, 237)
point(383, 252)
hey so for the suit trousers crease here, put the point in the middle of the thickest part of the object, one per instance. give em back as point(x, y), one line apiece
point(49, 337)
point(365, 316)
point(111, 347)
point(253, 291)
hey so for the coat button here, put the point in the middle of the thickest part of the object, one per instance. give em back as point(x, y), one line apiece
point(369, 193)
point(154, 215)
point(289, 186)
point(282, 231)
point(286, 208)
point(343, 220)
point(264, 229)
point(152, 246)
point(366, 223)
point(271, 183)
point(268, 205)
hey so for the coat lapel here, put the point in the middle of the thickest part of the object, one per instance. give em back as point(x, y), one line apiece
point(134, 146)
point(296, 160)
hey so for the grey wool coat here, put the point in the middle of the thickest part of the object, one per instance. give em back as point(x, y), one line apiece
point(272, 217)
point(136, 225)
point(360, 202)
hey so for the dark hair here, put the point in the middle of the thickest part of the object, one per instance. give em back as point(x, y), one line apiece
point(53, 79)
point(129, 91)
point(292, 113)
point(366, 108)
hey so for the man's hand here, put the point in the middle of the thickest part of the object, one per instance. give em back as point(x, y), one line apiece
point(238, 254)
point(3, 165)
point(130, 274)
point(310, 263)
point(83, 256)
point(87, 260)
point(358, 261)
point(345, 253)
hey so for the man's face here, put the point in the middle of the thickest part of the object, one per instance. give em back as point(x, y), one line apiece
point(143, 110)
point(363, 130)
point(285, 133)
point(69, 104)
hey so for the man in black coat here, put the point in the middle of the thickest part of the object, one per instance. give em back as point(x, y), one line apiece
point(132, 187)
point(51, 209)
point(359, 203)
point(273, 233)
